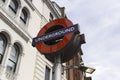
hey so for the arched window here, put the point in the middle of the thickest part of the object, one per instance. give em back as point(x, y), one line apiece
point(51, 17)
point(3, 44)
point(14, 5)
point(47, 73)
point(24, 15)
point(3, 0)
point(13, 58)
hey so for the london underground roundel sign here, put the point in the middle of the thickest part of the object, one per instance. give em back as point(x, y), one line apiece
point(59, 37)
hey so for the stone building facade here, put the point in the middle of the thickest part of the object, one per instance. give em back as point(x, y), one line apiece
point(20, 21)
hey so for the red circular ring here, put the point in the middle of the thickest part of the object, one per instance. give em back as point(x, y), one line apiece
point(47, 49)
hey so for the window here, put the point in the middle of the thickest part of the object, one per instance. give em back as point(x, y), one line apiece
point(13, 58)
point(3, 44)
point(51, 17)
point(24, 15)
point(14, 5)
point(47, 73)
point(3, 0)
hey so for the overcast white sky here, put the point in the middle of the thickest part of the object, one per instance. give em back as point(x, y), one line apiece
point(99, 20)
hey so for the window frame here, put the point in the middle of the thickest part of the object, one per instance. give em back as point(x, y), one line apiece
point(17, 48)
point(51, 17)
point(3, 0)
point(24, 16)
point(4, 46)
point(47, 75)
point(14, 5)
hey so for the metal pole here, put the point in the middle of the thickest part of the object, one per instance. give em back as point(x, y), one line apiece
point(57, 68)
